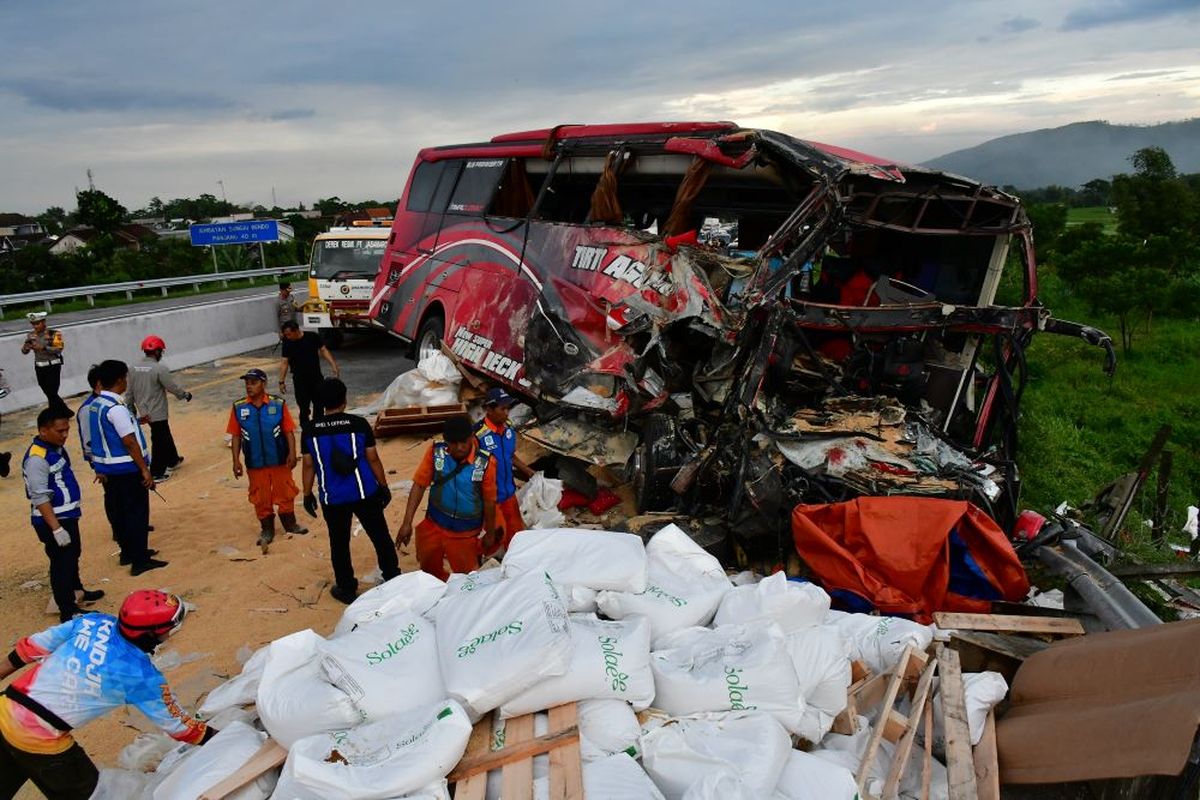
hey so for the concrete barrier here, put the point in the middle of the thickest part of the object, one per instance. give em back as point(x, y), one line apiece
point(194, 334)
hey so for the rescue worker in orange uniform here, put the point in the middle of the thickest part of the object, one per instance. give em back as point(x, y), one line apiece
point(263, 429)
point(498, 439)
point(460, 521)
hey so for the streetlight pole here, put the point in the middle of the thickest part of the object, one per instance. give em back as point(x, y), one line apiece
point(222, 185)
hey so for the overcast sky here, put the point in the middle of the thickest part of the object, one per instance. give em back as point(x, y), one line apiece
point(167, 99)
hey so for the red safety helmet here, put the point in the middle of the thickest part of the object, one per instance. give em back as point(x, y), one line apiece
point(149, 611)
point(151, 343)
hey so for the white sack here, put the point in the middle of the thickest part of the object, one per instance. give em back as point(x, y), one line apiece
point(684, 586)
point(731, 668)
point(237, 691)
point(751, 747)
point(294, 699)
point(412, 591)
point(386, 759)
point(218, 759)
point(464, 583)
point(879, 641)
point(618, 777)
point(595, 559)
point(981, 691)
point(538, 499)
point(720, 786)
point(790, 605)
point(497, 641)
point(610, 660)
point(123, 784)
point(386, 667)
point(434, 382)
point(807, 777)
point(607, 727)
point(822, 669)
point(581, 599)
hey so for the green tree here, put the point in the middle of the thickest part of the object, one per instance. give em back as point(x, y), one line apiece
point(1154, 200)
point(1049, 222)
point(54, 219)
point(98, 210)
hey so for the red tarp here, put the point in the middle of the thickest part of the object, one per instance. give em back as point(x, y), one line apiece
point(910, 555)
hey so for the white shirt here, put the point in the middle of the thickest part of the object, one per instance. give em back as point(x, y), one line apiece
point(119, 416)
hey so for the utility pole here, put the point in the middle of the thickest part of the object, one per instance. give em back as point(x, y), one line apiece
point(219, 183)
point(274, 202)
point(91, 183)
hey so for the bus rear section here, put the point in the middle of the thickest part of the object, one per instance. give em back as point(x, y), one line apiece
point(341, 275)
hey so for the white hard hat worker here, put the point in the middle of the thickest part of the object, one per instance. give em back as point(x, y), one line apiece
point(35, 317)
point(41, 707)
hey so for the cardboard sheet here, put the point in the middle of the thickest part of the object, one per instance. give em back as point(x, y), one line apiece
point(1108, 705)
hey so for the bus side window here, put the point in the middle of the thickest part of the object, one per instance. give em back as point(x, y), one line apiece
point(514, 197)
point(424, 184)
point(429, 193)
point(475, 187)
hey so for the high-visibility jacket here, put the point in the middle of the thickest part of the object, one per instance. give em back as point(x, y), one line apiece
point(502, 445)
point(338, 446)
point(456, 494)
point(53, 478)
point(109, 454)
point(264, 443)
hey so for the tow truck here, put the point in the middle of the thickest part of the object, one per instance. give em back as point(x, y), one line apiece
point(341, 275)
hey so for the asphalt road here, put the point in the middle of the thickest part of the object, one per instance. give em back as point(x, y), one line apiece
point(14, 323)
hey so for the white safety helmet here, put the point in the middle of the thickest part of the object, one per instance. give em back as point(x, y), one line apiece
point(35, 316)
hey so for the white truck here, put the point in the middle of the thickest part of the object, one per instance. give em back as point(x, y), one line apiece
point(341, 276)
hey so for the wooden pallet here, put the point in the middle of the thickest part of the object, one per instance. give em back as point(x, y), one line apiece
point(415, 419)
point(270, 756)
point(515, 758)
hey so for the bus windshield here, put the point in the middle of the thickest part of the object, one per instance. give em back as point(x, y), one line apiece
point(347, 258)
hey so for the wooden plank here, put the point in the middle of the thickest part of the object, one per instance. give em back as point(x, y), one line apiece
point(895, 726)
point(927, 762)
point(269, 756)
point(949, 620)
point(895, 681)
point(517, 775)
point(858, 671)
point(891, 788)
point(512, 752)
point(987, 764)
point(960, 766)
point(566, 766)
point(862, 695)
point(480, 743)
point(1188, 569)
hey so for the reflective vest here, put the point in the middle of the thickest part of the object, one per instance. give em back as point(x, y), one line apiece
point(62, 484)
point(264, 443)
point(456, 494)
point(503, 446)
point(83, 418)
point(109, 454)
point(343, 473)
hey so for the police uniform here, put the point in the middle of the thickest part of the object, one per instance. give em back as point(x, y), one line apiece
point(47, 362)
point(126, 500)
point(347, 487)
point(263, 430)
point(49, 479)
point(454, 515)
point(501, 444)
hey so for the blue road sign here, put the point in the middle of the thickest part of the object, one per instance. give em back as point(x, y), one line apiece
point(256, 230)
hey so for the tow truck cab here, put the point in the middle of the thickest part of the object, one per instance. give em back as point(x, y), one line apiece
point(341, 274)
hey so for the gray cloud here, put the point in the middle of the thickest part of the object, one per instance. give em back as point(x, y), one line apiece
point(85, 96)
point(1114, 12)
point(1019, 25)
point(1134, 76)
point(291, 113)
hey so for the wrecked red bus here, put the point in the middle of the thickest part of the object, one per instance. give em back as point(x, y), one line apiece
point(842, 292)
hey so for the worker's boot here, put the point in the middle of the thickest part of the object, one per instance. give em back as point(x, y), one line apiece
point(290, 525)
point(268, 533)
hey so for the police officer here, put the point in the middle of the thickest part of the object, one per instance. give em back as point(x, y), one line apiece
point(263, 430)
point(460, 521)
point(54, 501)
point(40, 708)
point(149, 382)
point(497, 438)
point(46, 344)
point(119, 454)
point(285, 306)
point(339, 455)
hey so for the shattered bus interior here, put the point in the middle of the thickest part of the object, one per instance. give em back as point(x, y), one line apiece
point(839, 338)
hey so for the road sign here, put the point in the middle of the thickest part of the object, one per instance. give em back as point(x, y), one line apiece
point(217, 233)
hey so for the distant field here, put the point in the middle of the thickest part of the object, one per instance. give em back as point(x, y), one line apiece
point(1100, 214)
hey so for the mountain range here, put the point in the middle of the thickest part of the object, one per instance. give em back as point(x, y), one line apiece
point(1073, 154)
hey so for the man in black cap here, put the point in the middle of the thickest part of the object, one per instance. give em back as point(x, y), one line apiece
point(497, 438)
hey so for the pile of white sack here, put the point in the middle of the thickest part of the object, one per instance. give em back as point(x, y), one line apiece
point(434, 382)
point(733, 680)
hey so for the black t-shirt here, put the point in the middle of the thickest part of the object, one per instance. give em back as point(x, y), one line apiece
point(303, 355)
point(338, 425)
